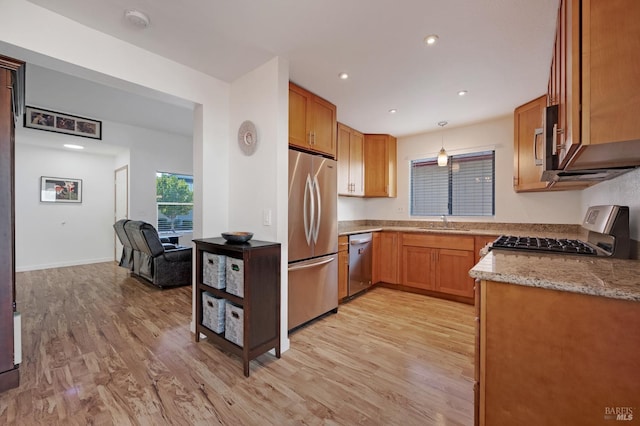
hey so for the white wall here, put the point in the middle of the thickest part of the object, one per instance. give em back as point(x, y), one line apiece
point(623, 190)
point(258, 182)
point(253, 184)
point(54, 234)
point(89, 225)
point(511, 207)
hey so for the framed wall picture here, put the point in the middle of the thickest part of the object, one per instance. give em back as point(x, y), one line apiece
point(60, 190)
point(42, 119)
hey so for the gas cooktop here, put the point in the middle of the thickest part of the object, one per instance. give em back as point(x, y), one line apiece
point(607, 228)
point(544, 245)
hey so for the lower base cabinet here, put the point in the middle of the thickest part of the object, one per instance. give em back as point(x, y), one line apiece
point(549, 357)
point(250, 294)
point(439, 263)
point(343, 267)
point(388, 257)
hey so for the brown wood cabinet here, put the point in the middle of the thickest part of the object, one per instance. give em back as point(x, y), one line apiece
point(9, 371)
point(594, 81)
point(380, 165)
point(375, 267)
point(559, 358)
point(528, 149)
point(388, 258)
point(439, 263)
point(350, 161)
point(564, 79)
point(258, 273)
point(343, 266)
point(312, 122)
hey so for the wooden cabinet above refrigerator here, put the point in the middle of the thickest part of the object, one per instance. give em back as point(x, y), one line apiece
point(312, 122)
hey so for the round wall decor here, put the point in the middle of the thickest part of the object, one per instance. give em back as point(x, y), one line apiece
point(247, 137)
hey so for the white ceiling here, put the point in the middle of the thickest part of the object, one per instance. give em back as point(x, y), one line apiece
point(497, 50)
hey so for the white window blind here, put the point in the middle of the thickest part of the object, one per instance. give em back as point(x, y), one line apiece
point(465, 187)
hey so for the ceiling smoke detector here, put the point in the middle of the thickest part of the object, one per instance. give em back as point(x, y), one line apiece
point(136, 18)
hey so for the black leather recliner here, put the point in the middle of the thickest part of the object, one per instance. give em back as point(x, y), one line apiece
point(162, 264)
point(126, 260)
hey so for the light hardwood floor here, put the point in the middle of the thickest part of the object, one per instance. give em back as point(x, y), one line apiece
point(100, 347)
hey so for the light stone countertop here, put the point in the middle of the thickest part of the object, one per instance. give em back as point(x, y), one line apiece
point(598, 276)
point(438, 229)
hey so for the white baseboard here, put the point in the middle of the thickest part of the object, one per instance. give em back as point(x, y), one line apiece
point(26, 268)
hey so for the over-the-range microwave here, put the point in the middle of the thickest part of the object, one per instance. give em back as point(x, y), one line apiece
point(549, 161)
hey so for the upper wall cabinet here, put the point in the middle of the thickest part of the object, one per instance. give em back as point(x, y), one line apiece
point(350, 161)
point(312, 122)
point(528, 149)
point(594, 81)
point(380, 168)
point(528, 146)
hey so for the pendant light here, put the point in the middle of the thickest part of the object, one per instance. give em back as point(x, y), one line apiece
point(443, 158)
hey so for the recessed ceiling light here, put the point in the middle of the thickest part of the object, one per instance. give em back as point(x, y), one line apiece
point(431, 39)
point(462, 92)
point(136, 18)
point(72, 146)
point(393, 111)
point(343, 76)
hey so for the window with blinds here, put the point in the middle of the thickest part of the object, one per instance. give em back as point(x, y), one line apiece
point(465, 187)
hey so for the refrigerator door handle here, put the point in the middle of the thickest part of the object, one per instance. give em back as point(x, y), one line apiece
point(311, 265)
point(308, 207)
point(316, 225)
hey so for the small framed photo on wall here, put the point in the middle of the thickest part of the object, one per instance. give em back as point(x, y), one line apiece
point(60, 190)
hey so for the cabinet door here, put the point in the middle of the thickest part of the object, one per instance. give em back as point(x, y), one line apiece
point(452, 272)
point(323, 126)
point(299, 113)
point(344, 158)
point(343, 266)
point(343, 274)
point(417, 267)
point(380, 166)
point(611, 70)
point(568, 37)
point(356, 163)
point(389, 250)
point(528, 146)
point(350, 161)
point(375, 273)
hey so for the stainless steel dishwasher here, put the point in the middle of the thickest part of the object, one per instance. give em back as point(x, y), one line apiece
point(360, 262)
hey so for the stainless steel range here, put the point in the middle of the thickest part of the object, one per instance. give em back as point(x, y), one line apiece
point(608, 235)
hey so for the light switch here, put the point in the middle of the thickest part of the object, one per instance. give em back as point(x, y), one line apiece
point(266, 217)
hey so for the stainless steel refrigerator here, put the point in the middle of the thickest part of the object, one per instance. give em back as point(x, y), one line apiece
point(313, 237)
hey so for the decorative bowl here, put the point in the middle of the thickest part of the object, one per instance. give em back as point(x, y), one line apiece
point(237, 237)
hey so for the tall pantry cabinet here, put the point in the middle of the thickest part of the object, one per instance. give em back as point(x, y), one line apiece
point(9, 373)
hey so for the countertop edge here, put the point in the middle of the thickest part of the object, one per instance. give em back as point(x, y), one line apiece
point(611, 293)
point(588, 281)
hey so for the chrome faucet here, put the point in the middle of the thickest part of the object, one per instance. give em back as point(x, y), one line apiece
point(445, 223)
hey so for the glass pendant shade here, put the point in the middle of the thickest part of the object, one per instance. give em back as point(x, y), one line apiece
point(442, 158)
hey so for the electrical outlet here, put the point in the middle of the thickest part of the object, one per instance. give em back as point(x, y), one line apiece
point(400, 210)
